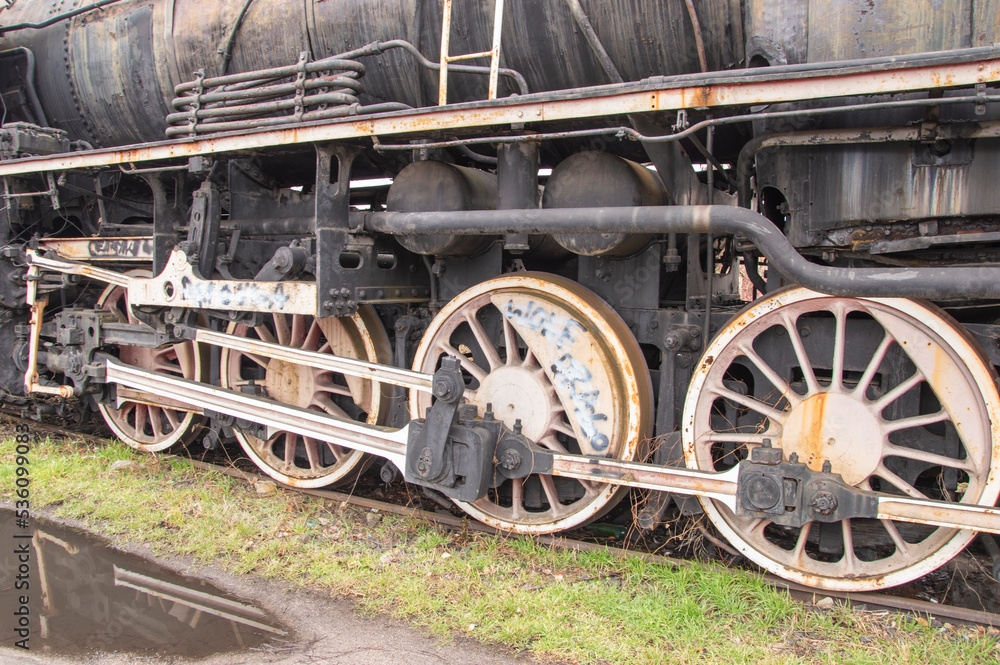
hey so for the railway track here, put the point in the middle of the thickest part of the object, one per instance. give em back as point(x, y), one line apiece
point(884, 601)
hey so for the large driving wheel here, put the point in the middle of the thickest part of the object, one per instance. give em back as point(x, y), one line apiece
point(892, 392)
point(141, 425)
point(290, 458)
point(547, 352)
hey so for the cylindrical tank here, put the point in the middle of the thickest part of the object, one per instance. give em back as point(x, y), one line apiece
point(438, 186)
point(601, 180)
point(108, 76)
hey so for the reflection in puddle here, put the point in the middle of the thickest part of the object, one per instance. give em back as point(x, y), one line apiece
point(85, 596)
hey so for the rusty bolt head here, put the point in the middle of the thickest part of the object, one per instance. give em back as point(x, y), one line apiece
point(511, 459)
point(823, 503)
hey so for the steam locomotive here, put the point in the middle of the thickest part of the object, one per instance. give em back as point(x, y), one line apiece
point(533, 254)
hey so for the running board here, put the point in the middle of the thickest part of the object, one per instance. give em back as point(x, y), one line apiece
point(763, 486)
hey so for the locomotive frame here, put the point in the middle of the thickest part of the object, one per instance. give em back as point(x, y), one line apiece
point(835, 404)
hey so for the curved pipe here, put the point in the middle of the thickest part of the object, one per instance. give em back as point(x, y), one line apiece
point(936, 283)
point(29, 74)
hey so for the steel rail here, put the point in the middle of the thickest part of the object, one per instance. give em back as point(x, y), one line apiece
point(965, 68)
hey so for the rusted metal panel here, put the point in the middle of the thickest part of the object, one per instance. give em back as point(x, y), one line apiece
point(848, 29)
point(823, 30)
point(600, 102)
point(125, 249)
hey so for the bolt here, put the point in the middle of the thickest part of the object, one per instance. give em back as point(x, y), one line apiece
point(805, 332)
point(517, 426)
point(488, 415)
point(823, 503)
point(794, 458)
point(827, 467)
point(766, 443)
point(511, 460)
point(328, 304)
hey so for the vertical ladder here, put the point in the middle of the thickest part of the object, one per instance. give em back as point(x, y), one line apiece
point(494, 53)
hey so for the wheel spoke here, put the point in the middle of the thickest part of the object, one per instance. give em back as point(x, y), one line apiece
point(552, 443)
point(902, 547)
point(154, 422)
point(839, 348)
point(281, 329)
point(510, 343)
point(751, 403)
point(805, 364)
point(879, 405)
point(800, 543)
point(915, 421)
point(265, 335)
point(861, 389)
point(291, 443)
point(141, 414)
point(472, 368)
point(172, 418)
point(485, 343)
point(899, 483)
point(323, 401)
point(552, 494)
point(850, 558)
point(786, 391)
point(313, 337)
point(517, 498)
point(931, 458)
point(257, 358)
point(297, 334)
point(312, 453)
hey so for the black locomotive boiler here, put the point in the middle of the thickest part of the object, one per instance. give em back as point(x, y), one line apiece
point(532, 254)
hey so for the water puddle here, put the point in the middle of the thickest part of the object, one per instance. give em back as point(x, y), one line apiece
point(84, 596)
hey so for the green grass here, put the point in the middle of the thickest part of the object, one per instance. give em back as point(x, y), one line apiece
point(584, 607)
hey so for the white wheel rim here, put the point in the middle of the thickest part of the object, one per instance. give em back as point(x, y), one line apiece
point(534, 385)
point(946, 363)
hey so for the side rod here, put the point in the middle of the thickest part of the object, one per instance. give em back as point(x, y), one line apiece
point(392, 444)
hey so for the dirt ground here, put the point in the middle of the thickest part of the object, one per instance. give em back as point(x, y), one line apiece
point(323, 630)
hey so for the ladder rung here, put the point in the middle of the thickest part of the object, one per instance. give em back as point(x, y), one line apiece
point(469, 56)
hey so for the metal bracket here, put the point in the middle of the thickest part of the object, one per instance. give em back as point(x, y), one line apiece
point(451, 450)
point(791, 494)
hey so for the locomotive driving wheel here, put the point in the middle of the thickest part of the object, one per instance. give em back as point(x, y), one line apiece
point(893, 393)
point(291, 458)
point(143, 426)
point(551, 356)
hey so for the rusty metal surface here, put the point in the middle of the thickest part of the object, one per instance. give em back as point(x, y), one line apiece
point(819, 30)
point(124, 249)
point(658, 95)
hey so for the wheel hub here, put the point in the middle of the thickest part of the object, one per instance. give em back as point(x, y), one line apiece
point(836, 427)
point(519, 393)
point(290, 383)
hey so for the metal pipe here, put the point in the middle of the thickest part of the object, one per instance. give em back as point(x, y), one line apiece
point(940, 283)
point(587, 28)
point(698, 37)
point(29, 74)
